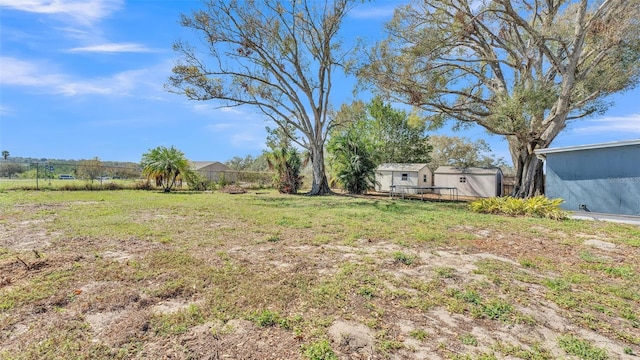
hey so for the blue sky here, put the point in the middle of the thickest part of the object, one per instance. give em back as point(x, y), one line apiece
point(84, 78)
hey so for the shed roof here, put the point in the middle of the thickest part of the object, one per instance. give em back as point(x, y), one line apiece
point(588, 146)
point(467, 170)
point(197, 165)
point(400, 167)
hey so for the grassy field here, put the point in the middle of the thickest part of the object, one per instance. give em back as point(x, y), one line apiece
point(58, 184)
point(147, 275)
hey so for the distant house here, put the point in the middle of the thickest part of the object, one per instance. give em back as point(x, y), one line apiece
point(407, 176)
point(601, 177)
point(212, 170)
point(470, 181)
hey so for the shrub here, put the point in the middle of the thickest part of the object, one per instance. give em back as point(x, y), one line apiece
point(538, 206)
point(196, 181)
point(319, 350)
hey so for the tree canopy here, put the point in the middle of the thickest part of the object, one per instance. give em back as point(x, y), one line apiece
point(277, 56)
point(165, 166)
point(367, 135)
point(462, 152)
point(522, 69)
point(394, 135)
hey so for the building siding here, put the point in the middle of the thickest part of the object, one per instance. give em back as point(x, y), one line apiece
point(605, 180)
point(471, 182)
point(388, 175)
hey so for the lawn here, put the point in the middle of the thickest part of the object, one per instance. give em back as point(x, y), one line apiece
point(148, 275)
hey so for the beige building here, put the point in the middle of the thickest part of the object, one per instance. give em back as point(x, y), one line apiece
point(405, 177)
point(471, 181)
point(212, 170)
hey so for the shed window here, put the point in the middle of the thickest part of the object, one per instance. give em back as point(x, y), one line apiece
point(463, 179)
point(424, 178)
point(405, 177)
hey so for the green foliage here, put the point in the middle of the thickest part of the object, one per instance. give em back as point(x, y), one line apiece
point(581, 348)
point(497, 309)
point(538, 206)
point(468, 339)
point(267, 318)
point(498, 65)
point(461, 152)
point(248, 163)
point(390, 135)
point(11, 169)
point(196, 181)
point(319, 350)
point(288, 163)
point(90, 169)
point(398, 137)
point(352, 162)
point(165, 166)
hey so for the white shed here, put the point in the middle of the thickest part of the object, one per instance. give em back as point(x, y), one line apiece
point(407, 176)
point(471, 181)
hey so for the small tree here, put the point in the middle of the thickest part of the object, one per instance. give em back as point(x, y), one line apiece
point(90, 169)
point(287, 163)
point(5, 154)
point(10, 169)
point(394, 135)
point(165, 166)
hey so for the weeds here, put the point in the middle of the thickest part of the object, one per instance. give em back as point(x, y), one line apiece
point(319, 350)
point(401, 258)
point(581, 348)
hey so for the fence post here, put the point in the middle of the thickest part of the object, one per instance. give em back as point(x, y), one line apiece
point(37, 175)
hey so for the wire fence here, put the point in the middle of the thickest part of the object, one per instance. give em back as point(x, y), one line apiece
point(36, 175)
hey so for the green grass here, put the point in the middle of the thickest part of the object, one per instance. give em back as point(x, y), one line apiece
point(293, 265)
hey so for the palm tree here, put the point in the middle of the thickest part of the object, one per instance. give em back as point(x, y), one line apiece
point(354, 163)
point(165, 166)
point(5, 154)
point(287, 163)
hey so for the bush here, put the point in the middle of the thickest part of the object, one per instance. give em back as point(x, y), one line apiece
point(319, 350)
point(538, 206)
point(196, 181)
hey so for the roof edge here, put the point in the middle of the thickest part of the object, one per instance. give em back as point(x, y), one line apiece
point(588, 146)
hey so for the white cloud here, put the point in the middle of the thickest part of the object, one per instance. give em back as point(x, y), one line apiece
point(245, 132)
point(24, 73)
point(16, 72)
point(112, 48)
point(5, 110)
point(374, 11)
point(82, 11)
point(629, 124)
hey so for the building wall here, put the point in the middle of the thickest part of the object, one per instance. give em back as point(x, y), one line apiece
point(471, 184)
point(386, 178)
point(604, 180)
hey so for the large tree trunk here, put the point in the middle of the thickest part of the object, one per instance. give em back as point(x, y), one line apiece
point(529, 174)
point(320, 185)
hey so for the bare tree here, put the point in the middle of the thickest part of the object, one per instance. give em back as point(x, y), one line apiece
point(519, 68)
point(278, 56)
